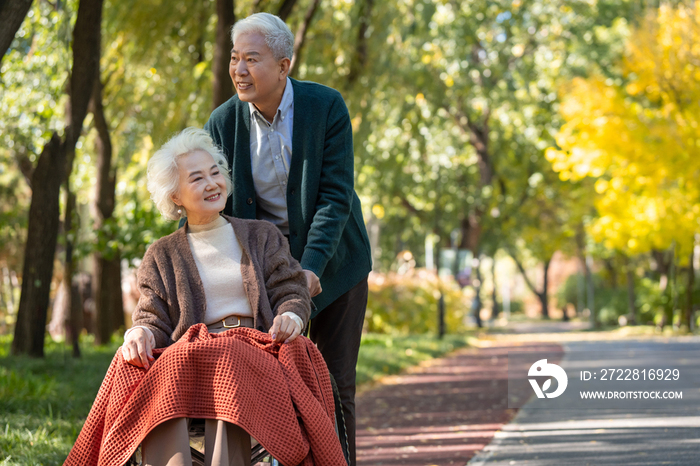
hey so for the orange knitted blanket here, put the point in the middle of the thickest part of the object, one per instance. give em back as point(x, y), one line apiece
point(280, 394)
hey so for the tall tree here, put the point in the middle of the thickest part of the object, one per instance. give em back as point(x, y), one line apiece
point(57, 161)
point(300, 36)
point(637, 138)
point(222, 85)
point(616, 131)
point(107, 281)
point(42, 234)
point(285, 9)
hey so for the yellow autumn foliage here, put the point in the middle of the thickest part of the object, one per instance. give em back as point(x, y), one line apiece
point(641, 140)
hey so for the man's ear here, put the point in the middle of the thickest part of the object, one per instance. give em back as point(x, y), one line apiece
point(284, 67)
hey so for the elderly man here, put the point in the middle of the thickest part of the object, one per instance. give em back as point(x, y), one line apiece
point(289, 145)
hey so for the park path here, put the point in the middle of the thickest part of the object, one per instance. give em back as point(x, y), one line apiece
point(440, 413)
point(579, 432)
point(454, 409)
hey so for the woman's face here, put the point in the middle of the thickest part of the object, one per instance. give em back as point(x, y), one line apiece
point(201, 187)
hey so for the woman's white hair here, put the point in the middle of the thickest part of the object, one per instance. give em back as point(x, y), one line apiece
point(278, 36)
point(163, 175)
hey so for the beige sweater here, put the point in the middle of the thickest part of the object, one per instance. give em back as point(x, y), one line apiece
point(217, 253)
point(172, 294)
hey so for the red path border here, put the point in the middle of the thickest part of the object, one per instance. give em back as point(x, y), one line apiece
point(442, 413)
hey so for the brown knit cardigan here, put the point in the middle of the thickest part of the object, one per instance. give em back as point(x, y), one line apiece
point(172, 295)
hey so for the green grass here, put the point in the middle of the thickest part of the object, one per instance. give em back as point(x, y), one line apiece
point(382, 355)
point(44, 402)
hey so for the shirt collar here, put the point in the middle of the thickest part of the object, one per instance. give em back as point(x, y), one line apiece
point(285, 104)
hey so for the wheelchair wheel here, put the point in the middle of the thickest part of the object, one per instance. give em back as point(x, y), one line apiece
point(340, 421)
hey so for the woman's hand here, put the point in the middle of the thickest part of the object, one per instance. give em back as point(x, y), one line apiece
point(284, 329)
point(138, 348)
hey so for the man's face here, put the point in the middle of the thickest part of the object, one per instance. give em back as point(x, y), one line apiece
point(257, 76)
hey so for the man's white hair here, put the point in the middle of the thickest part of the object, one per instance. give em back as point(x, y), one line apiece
point(163, 175)
point(278, 36)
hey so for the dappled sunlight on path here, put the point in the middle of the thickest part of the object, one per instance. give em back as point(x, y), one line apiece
point(442, 412)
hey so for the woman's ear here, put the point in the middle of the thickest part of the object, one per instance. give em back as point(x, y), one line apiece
point(176, 199)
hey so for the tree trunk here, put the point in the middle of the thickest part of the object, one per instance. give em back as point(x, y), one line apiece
point(71, 326)
point(74, 324)
point(300, 37)
point(494, 294)
point(42, 234)
point(580, 291)
point(109, 309)
point(663, 266)
point(44, 212)
point(668, 276)
point(12, 13)
point(359, 58)
point(476, 304)
point(86, 70)
point(478, 134)
point(688, 311)
point(631, 294)
point(286, 9)
point(441, 298)
point(610, 268)
point(222, 86)
point(544, 295)
point(588, 264)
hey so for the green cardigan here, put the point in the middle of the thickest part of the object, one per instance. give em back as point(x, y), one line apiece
point(327, 233)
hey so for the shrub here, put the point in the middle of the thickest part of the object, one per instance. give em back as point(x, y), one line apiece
point(408, 303)
point(650, 301)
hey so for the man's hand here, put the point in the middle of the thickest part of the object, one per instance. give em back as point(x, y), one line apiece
point(137, 348)
point(313, 282)
point(285, 329)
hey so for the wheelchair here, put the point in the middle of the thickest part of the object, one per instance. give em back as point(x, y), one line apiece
point(258, 454)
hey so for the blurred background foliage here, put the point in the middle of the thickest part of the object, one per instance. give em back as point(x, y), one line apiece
point(514, 129)
point(406, 304)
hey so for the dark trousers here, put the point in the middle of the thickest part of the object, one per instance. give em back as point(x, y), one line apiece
point(337, 331)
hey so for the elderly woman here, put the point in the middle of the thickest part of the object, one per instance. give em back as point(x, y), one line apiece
point(188, 177)
point(205, 273)
point(209, 271)
point(215, 270)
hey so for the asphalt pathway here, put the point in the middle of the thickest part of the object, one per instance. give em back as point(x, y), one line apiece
point(455, 410)
point(630, 434)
